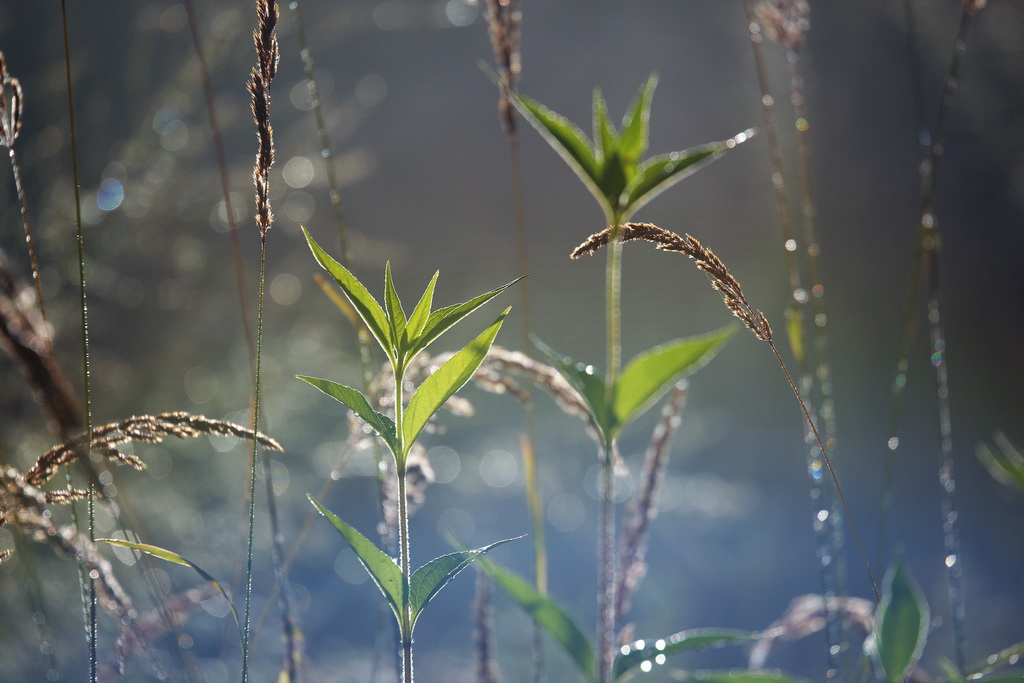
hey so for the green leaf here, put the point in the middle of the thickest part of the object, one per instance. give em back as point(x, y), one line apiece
point(647, 651)
point(546, 613)
point(419, 314)
point(901, 623)
point(650, 374)
point(367, 307)
point(1005, 465)
point(445, 381)
point(394, 312)
point(429, 579)
point(380, 423)
point(657, 174)
point(566, 139)
point(441, 320)
point(1005, 657)
point(605, 138)
point(381, 567)
point(169, 556)
point(587, 382)
point(735, 676)
point(635, 126)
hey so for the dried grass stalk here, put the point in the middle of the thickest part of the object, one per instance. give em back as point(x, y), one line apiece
point(143, 428)
point(807, 615)
point(704, 258)
point(785, 21)
point(503, 17)
point(10, 111)
point(483, 632)
point(267, 54)
point(643, 508)
point(25, 337)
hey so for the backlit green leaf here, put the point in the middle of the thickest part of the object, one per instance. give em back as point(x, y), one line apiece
point(381, 567)
point(380, 423)
point(566, 139)
point(655, 651)
point(419, 314)
point(901, 623)
point(606, 140)
point(650, 374)
point(394, 312)
point(445, 381)
point(170, 556)
point(657, 174)
point(429, 579)
point(441, 320)
point(546, 613)
point(367, 307)
point(1005, 465)
point(635, 126)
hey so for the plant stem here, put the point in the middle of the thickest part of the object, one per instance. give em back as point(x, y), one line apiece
point(403, 528)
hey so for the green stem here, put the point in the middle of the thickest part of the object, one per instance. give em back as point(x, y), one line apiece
point(403, 527)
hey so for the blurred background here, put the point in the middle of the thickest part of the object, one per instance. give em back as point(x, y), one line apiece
point(427, 184)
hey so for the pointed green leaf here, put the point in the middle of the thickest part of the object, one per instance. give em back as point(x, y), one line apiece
point(587, 382)
point(169, 556)
point(606, 140)
point(393, 310)
point(429, 579)
point(445, 381)
point(381, 567)
point(419, 314)
point(734, 676)
point(635, 654)
point(659, 173)
point(546, 613)
point(650, 374)
point(367, 307)
point(636, 124)
point(380, 423)
point(441, 320)
point(566, 139)
point(901, 623)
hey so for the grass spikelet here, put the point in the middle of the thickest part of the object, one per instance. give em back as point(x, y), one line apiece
point(267, 56)
point(807, 615)
point(784, 21)
point(143, 429)
point(503, 17)
point(732, 294)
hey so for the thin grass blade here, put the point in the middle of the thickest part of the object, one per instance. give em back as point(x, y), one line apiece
point(169, 556)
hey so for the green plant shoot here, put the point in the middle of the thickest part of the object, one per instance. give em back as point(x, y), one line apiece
point(403, 338)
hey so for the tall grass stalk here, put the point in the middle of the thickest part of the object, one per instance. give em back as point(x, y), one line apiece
point(786, 22)
point(926, 265)
point(267, 53)
point(88, 582)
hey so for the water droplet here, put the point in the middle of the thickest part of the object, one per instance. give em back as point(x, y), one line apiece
point(893, 443)
point(950, 560)
point(790, 245)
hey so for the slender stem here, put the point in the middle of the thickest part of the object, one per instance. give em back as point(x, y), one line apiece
point(831, 471)
point(253, 461)
point(87, 386)
point(403, 527)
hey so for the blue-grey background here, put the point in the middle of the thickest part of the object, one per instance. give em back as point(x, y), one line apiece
point(427, 185)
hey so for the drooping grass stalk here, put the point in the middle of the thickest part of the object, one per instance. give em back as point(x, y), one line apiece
point(727, 285)
point(927, 265)
point(786, 22)
point(267, 53)
point(88, 581)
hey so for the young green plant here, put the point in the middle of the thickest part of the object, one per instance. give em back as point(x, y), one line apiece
point(403, 338)
point(613, 169)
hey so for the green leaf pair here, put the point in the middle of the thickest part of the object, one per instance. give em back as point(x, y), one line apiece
point(402, 339)
point(421, 587)
point(642, 382)
point(611, 166)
